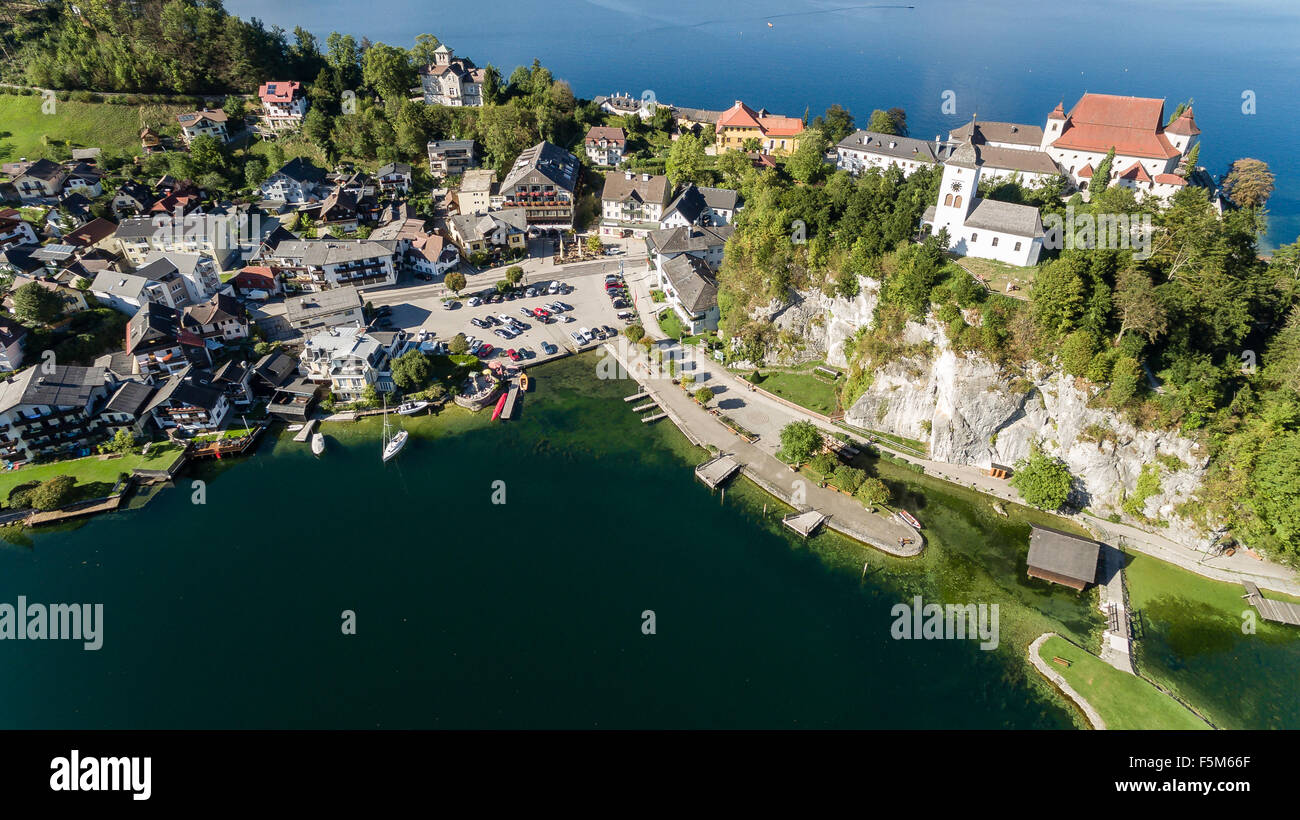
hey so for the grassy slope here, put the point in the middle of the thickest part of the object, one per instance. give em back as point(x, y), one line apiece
point(1123, 701)
point(91, 469)
point(114, 128)
point(804, 389)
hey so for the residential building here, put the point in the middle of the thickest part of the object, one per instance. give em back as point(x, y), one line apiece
point(42, 179)
point(296, 182)
point(544, 182)
point(489, 233)
point(322, 264)
point(432, 255)
point(349, 360)
point(692, 292)
point(189, 403)
point(48, 413)
point(222, 239)
point(980, 227)
point(740, 124)
point(82, 178)
point(478, 192)
point(97, 233)
point(706, 243)
point(701, 205)
point(862, 150)
point(158, 283)
point(395, 177)
point(132, 199)
point(451, 158)
point(127, 408)
point(205, 123)
point(312, 312)
point(451, 80)
point(12, 336)
point(254, 279)
point(221, 318)
point(159, 343)
point(633, 204)
point(199, 273)
point(623, 105)
point(283, 105)
point(15, 231)
point(605, 146)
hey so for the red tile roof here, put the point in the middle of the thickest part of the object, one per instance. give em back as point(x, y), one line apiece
point(1086, 171)
point(601, 132)
point(1130, 125)
point(279, 91)
point(1135, 172)
point(1170, 179)
point(1184, 125)
point(742, 116)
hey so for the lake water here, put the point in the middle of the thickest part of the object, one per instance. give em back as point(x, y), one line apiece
point(1002, 59)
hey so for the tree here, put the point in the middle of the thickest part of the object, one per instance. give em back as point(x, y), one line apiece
point(594, 246)
point(53, 494)
point(893, 121)
point(458, 346)
point(734, 166)
point(1043, 481)
point(836, 124)
point(35, 304)
point(686, 161)
point(1249, 183)
point(1077, 352)
point(387, 69)
point(514, 275)
point(236, 109)
point(1101, 174)
point(122, 442)
point(704, 395)
point(848, 479)
point(634, 333)
point(800, 440)
point(808, 161)
point(254, 172)
point(411, 370)
point(1189, 162)
point(872, 492)
point(455, 282)
point(1138, 306)
point(426, 46)
point(492, 89)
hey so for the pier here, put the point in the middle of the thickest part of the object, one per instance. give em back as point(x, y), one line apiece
point(1282, 612)
point(305, 432)
point(655, 417)
point(511, 396)
point(635, 396)
point(804, 523)
point(715, 471)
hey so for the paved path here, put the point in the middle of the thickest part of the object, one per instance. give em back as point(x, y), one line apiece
point(1112, 600)
point(1232, 569)
point(1056, 678)
point(847, 515)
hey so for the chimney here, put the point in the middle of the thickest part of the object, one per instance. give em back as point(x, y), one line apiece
point(645, 177)
point(893, 143)
point(1015, 128)
point(627, 175)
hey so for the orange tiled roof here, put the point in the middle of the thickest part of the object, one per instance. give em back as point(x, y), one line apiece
point(1130, 125)
point(278, 91)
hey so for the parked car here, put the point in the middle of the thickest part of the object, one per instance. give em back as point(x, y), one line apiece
point(619, 304)
point(541, 313)
point(526, 312)
point(474, 301)
point(565, 306)
point(477, 322)
point(514, 355)
point(485, 351)
point(567, 318)
point(554, 288)
point(549, 349)
point(531, 292)
point(384, 310)
point(577, 337)
point(585, 334)
point(504, 334)
point(450, 304)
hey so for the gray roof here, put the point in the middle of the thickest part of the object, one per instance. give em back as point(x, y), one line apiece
point(450, 145)
point(320, 252)
point(116, 283)
point(313, 305)
point(186, 389)
point(690, 277)
point(1005, 217)
point(67, 386)
point(544, 161)
point(640, 187)
point(986, 131)
point(140, 227)
point(472, 227)
point(131, 398)
point(394, 168)
point(890, 145)
point(1014, 159)
point(301, 170)
point(695, 238)
point(1063, 554)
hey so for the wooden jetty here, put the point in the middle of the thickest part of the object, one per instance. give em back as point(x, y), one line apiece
point(655, 417)
point(306, 431)
point(1283, 612)
point(635, 396)
point(511, 396)
point(804, 523)
point(642, 408)
point(717, 470)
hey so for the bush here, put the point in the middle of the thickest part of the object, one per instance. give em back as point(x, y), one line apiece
point(800, 440)
point(872, 493)
point(1043, 481)
point(634, 333)
point(53, 494)
point(824, 463)
point(848, 479)
point(704, 395)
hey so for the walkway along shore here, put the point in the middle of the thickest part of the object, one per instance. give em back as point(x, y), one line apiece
point(847, 516)
point(1055, 677)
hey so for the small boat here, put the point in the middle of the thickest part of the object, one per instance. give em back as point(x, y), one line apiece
point(317, 443)
point(393, 444)
point(293, 428)
point(410, 408)
point(523, 382)
point(997, 508)
point(501, 404)
point(907, 516)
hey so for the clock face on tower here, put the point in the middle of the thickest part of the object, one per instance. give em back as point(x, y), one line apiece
point(956, 185)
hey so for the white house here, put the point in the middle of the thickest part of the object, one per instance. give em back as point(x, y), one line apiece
point(633, 204)
point(451, 80)
point(983, 228)
point(283, 105)
point(322, 264)
point(15, 231)
point(348, 360)
point(704, 242)
point(204, 123)
point(295, 183)
point(701, 205)
point(605, 145)
point(692, 292)
point(862, 150)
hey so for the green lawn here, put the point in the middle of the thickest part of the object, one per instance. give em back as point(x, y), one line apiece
point(293, 146)
point(114, 128)
point(89, 470)
point(804, 389)
point(1123, 701)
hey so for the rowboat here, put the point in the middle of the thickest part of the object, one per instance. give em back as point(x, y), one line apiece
point(523, 382)
point(317, 443)
point(907, 516)
point(501, 403)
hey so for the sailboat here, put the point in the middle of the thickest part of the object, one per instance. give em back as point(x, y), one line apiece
point(393, 444)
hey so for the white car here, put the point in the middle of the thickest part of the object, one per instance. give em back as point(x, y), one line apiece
point(474, 301)
point(577, 337)
point(566, 318)
point(585, 334)
point(554, 288)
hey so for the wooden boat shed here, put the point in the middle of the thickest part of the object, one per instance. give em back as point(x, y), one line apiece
point(1061, 558)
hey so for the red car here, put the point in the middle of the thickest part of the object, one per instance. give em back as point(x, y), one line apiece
point(541, 313)
point(485, 351)
point(514, 355)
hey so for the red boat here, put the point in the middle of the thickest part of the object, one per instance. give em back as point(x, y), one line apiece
point(907, 516)
point(501, 404)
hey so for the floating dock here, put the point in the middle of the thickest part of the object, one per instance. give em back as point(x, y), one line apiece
point(644, 407)
point(804, 523)
point(655, 417)
point(306, 431)
point(636, 396)
point(717, 470)
point(1282, 612)
point(511, 396)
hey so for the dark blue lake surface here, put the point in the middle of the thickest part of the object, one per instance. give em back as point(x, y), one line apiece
point(1003, 59)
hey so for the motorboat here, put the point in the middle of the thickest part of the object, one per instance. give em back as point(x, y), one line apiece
point(410, 408)
point(317, 443)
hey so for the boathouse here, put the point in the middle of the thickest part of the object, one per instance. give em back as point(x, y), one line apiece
point(1061, 558)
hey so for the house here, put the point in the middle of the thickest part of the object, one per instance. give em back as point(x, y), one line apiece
point(272, 371)
point(451, 158)
point(350, 359)
point(296, 182)
point(544, 182)
point(624, 105)
point(1061, 558)
point(220, 318)
point(221, 239)
point(73, 212)
point(188, 403)
point(132, 199)
point(159, 282)
point(706, 243)
point(980, 227)
point(490, 232)
point(395, 177)
point(199, 273)
point(82, 178)
point(604, 145)
point(740, 124)
point(478, 192)
point(254, 279)
point(633, 204)
point(322, 264)
point(96, 233)
point(48, 413)
point(869, 149)
point(14, 232)
point(451, 80)
point(1148, 153)
point(70, 299)
point(339, 210)
point(432, 255)
point(18, 260)
point(126, 408)
point(235, 379)
point(205, 123)
point(42, 179)
point(692, 292)
point(701, 205)
point(12, 337)
point(312, 312)
point(150, 141)
point(283, 105)
point(159, 343)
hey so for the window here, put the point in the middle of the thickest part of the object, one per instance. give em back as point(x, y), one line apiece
point(947, 199)
point(1017, 246)
point(974, 238)
point(956, 203)
point(995, 241)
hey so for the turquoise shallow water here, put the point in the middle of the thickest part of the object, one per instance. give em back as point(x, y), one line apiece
point(526, 614)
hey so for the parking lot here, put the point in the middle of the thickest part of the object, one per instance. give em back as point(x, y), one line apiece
point(585, 293)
